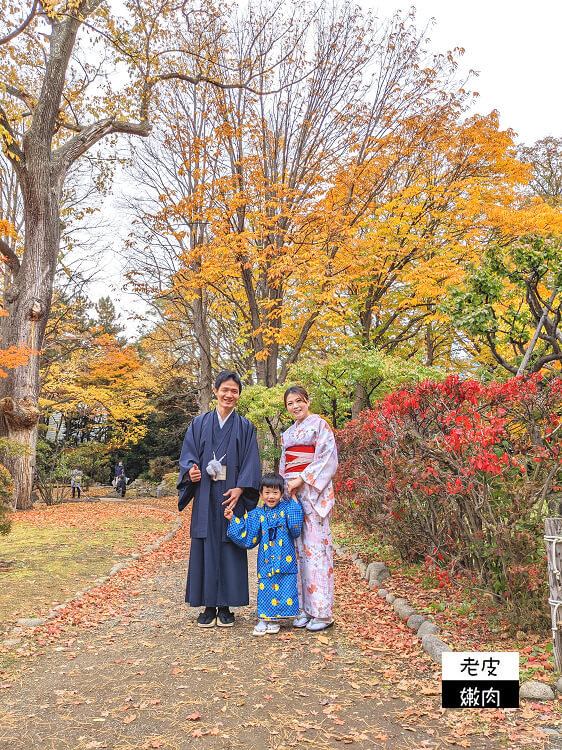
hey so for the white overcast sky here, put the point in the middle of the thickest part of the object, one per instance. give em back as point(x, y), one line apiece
point(515, 46)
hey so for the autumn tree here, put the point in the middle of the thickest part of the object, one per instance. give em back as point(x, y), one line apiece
point(421, 225)
point(275, 250)
point(60, 97)
point(511, 304)
point(173, 404)
point(176, 160)
point(545, 157)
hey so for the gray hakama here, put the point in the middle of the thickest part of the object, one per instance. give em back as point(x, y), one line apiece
point(218, 569)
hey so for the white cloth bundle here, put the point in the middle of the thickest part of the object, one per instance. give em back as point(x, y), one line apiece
point(214, 467)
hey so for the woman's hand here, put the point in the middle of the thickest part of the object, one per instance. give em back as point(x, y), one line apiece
point(232, 497)
point(228, 514)
point(195, 473)
point(294, 484)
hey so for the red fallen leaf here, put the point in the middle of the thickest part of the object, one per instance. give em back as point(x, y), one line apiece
point(197, 733)
point(268, 697)
point(194, 717)
point(382, 737)
point(156, 743)
point(176, 670)
point(128, 719)
point(338, 721)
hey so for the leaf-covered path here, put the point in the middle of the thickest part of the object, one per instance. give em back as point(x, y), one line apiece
point(126, 667)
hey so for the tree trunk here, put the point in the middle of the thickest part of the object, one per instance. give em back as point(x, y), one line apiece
point(429, 346)
point(359, 401)
point(205, 390)
point(28, 301)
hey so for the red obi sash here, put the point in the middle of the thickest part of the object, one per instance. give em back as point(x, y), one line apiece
point(298, 457)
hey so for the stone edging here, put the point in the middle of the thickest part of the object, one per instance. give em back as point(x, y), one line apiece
point(118, 567)
point(377, 572)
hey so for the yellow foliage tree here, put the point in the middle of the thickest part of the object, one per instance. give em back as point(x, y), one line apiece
point(108, 384)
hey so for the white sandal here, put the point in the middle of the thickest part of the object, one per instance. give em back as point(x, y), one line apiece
point(301, 620)
point(317, 624)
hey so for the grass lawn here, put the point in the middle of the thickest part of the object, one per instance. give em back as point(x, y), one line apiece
point(51, 553)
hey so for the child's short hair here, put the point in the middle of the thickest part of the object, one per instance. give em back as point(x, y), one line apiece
point(274, 481)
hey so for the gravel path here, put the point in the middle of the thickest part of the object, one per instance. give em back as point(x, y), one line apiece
point(149, 678)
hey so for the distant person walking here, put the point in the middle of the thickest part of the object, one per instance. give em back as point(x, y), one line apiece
point(121, 484)
point(76, 482)
point(119, 469)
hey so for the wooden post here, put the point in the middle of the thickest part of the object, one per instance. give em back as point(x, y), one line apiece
point(553, 539)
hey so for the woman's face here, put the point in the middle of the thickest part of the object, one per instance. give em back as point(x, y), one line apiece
point(227, 394)
point(298, 407)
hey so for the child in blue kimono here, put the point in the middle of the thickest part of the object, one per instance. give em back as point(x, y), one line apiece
point(273, 527)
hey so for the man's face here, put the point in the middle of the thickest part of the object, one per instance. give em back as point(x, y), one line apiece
point(227, 394)
point(271, 496)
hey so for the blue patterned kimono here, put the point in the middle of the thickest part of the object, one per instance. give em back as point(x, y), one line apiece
point(274, 530)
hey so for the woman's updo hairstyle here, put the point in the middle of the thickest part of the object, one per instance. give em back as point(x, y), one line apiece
point(296, 390)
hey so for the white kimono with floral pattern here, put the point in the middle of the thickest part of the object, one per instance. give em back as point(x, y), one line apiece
point(315, 578)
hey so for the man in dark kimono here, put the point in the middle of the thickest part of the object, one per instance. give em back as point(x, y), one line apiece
point(219, 467)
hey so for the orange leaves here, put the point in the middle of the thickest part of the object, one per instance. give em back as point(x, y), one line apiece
point(14, 357)
point(7, 229)
point(533, 217)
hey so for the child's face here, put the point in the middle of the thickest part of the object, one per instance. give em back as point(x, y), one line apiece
point(271, 496)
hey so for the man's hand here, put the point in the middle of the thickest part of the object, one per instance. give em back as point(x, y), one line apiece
point(232, 497)
point(195, 473)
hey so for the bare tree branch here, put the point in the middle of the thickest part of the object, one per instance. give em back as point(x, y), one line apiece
point(18, 93)
point(10, 258)
point(88, 135)
point(22, 26)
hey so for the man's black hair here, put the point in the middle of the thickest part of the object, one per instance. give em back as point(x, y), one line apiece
point(273, 481)
point(225, 375)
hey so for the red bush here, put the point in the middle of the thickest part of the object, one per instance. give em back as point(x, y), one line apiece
point(461, 475)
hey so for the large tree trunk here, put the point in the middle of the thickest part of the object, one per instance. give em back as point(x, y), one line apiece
point(28, 301)
point(205, 390)
point(359, 401)
point(429, 346)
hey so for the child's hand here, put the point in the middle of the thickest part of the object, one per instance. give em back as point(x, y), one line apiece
point(294, 496)
point(228, 513)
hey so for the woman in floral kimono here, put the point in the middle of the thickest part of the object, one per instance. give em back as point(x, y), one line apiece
point(309, 460)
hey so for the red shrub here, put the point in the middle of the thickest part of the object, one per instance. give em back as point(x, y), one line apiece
point(462, 475)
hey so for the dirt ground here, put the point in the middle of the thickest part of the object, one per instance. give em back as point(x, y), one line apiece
point(147, 677)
